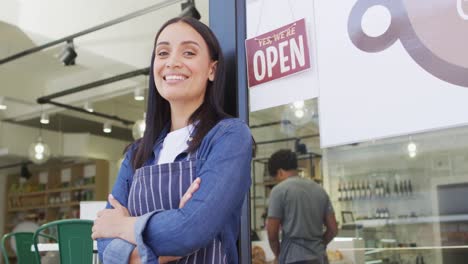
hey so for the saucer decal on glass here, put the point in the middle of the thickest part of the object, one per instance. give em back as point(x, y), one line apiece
point(433, 32)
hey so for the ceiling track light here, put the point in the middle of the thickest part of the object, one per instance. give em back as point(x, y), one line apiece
point(107, 128)
point(3, 106)
point(139, 94)
point(189, 10)
point(69, 54)
point(88, 106)
point(44, 118)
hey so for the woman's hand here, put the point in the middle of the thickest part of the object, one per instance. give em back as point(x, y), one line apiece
point(189, 193)
point(117, 222)
point(135, 257)
point(164, 259)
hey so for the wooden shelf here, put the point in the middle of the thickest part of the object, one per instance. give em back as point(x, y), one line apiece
point(27, 208)
point(39, 202)
point(69, 189)
point(25, 194)
point(63, 204)
point(266, 183)
point(55, 190)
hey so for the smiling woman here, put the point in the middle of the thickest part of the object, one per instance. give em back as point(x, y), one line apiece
point(182, 65)
point(165, 203)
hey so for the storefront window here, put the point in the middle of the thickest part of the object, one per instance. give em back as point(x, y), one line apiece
point(403, 199)
point(293, 126)
point(396, 200)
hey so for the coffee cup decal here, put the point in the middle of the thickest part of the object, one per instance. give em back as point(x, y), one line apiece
point(433, 32)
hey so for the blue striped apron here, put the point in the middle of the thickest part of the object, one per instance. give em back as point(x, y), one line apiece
point(159, 188)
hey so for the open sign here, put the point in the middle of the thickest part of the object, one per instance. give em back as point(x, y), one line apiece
point(277, 53)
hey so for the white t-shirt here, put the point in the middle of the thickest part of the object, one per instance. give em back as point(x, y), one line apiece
point(174, 144)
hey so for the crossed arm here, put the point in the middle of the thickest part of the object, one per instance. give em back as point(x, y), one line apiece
point(117, 223)
point(179, 232)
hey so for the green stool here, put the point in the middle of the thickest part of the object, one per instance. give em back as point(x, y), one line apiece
point(23, 241)
point(74, 240)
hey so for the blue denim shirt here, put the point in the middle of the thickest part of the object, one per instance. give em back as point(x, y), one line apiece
point(224, 163)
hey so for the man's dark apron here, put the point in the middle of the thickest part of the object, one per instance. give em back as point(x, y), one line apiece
point(159, 188)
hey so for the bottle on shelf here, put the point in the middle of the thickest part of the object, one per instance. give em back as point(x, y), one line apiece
point(358, 190)
point(403, 188)
point(379, 188)
point(377, 213)
point(387, 189)
point(353, 191)
point(410, 187)
point(420, 259)
point(396, 190)
point(376, 189)
point(364, 187)
point(340, 194)
point(383, 189)
point(344, 191)
point(364, 190)
point(348, 192)
point(368, 190)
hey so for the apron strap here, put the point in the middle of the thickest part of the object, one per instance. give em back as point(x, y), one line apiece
point(192, 156)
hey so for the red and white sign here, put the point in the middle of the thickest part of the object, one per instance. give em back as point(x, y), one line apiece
point(278, 53)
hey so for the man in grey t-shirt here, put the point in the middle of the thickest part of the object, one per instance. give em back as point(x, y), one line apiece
point(301, 208)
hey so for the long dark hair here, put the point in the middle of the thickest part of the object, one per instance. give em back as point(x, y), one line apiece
point(158, 112)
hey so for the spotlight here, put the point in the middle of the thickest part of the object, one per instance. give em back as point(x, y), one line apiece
point(138, 129)
point(412, 149)
point(3, 106)
point(44, 118)
point(189, 10)
point(39, 152)
point(107, 127)
point(299, 113)
point(68, 55)
point(88, 106)
point(139, 94)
